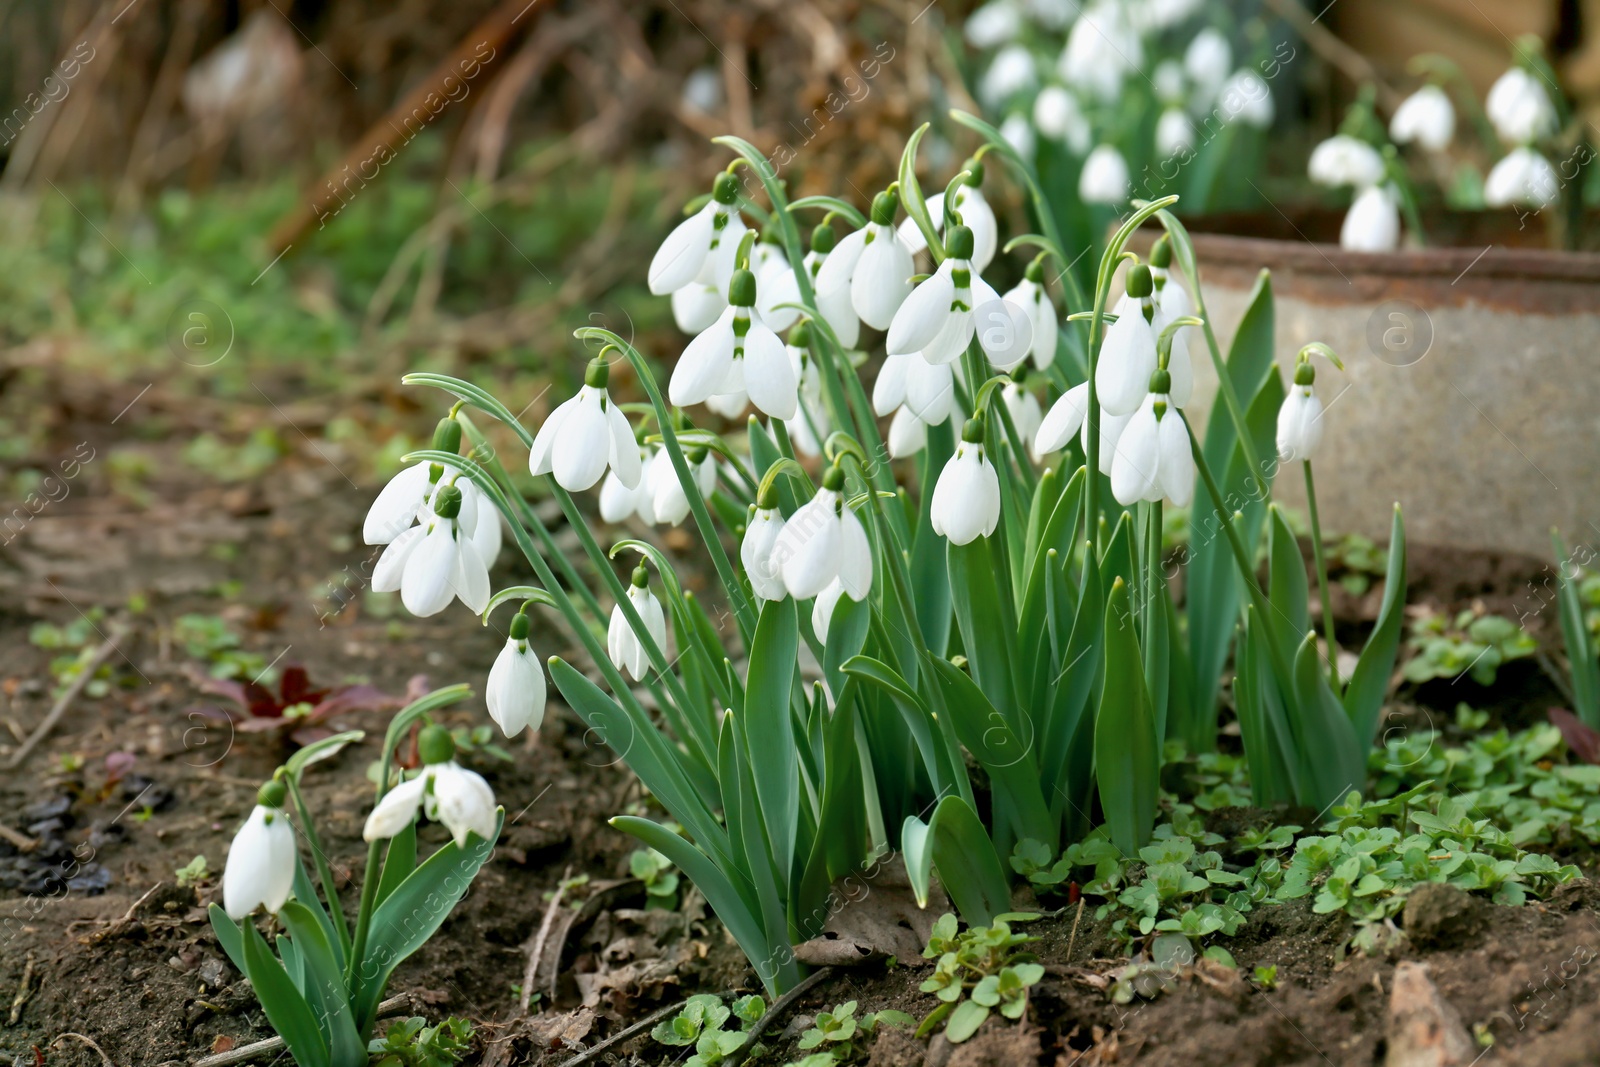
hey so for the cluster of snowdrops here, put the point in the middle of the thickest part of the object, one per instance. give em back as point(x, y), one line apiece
point(988, 580)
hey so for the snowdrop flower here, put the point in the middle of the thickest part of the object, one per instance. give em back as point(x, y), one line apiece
point(993, 24)
point(974, 212)
point(702, 247)
point(627, 652)
point(1023, 407)
point(1168, 81)
point(1523, 178)
point(408, 499)
point(434, 562)
point(1246, 97)
point(966, 499)
point(1519, 108)
point(668, 502)
point(1011, 72)
point(1207, 61)
point(1300, 418)
point(1172, 302)
point(1345, 160)
point(824, 541)
point(702, 90)
point(261, 860)
point(728, 405)
point(1128, 353)
point(736, 354)
point(873, 265)
point(1174, 132)
point(810, 427)
point(1426, 117)
point(939, 318)
point(1059, 117)
point(1153, 458)
point(515, 693)
point(618, 501)
point(586, 435)
point(1104, 178)
point(757, 550)
point(908, 434)
point(1017, 132)
point(1373, 222)
point(1029, 294)
point(447, 792)
point(1102, 47)
point(1159, 14)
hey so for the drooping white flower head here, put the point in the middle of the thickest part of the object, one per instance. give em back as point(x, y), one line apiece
point(1524, 178)
point(873, 265)
point(697, 305)
point(445, 791)
point(974, 212)
point(1128, 354)
point(1104, 178)
point(1245, 97)
point(756, 551)
point(1060, 117)
point(942, 315)
point(584, 436)
point(668, 501)
point(1102, 49)
point(1168, 80)
point(811, 425)
point(408, 499)
point(1300, 418)
point(1373, 222)
point(701, 247)
point(1345, 160)
point(261, 860)
point(823, 541)
point(1012, 71)
point(737, 354)
point(1426, 117)
point(1063, 420)
point(435, 562)
point(618, 501)
point(516, 690)
point(1029, 294)
point(1153, 459)
point(1520, 108)
point(966, 498)
point(822, 609)
point(993, 24)
point(626, 650)
point(1174, 133)
point(926, 390)
point(1207, 61)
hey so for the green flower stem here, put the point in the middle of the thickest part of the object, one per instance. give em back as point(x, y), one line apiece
point(1240, 556)
point(324, 873)
point(1152, 574)
point(1322, 581)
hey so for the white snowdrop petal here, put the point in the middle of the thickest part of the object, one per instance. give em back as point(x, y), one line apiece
point(930, 391)
point(808, 549)
point(395, 508)
point(1176, 460)
point(923, 314)
point(623, 457)
point(855, 563)
point(882, 278)
point(540, 455)
point(683, 254)
point(515, 693)
point(396, 811)
point(908, 434)
point(697, 305)
point(704, 365)
point(471, 582)
point(1135, 465)
point(1127, 359)
point(428, 585)
point(585, 448)
point(889, 391)
point(768, 375)
point(391, 567)
point(911, 234)
point(1064, 419)
point(1372, 224)
point(463, 802)
point(822, 610)
point(833, 277)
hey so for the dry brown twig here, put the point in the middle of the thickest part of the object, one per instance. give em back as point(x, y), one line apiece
point(118, 630)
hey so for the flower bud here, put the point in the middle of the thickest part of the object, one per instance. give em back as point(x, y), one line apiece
point(960, 243)
point(271, 794)
point(883, 208)
point(1140, 284)
point(742, 289)
point(833, 480)
point(1161, 252)
point(823, 239)
point(725, 190)
point(597, 374)
point(447, 502)
point(447, 436)
point(519, 627)
point(1305, 373)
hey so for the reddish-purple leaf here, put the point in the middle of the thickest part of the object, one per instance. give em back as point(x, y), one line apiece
point(295, 687)
point(1583, 740)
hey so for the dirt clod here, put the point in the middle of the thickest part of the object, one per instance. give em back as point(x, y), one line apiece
point(1438, 915)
